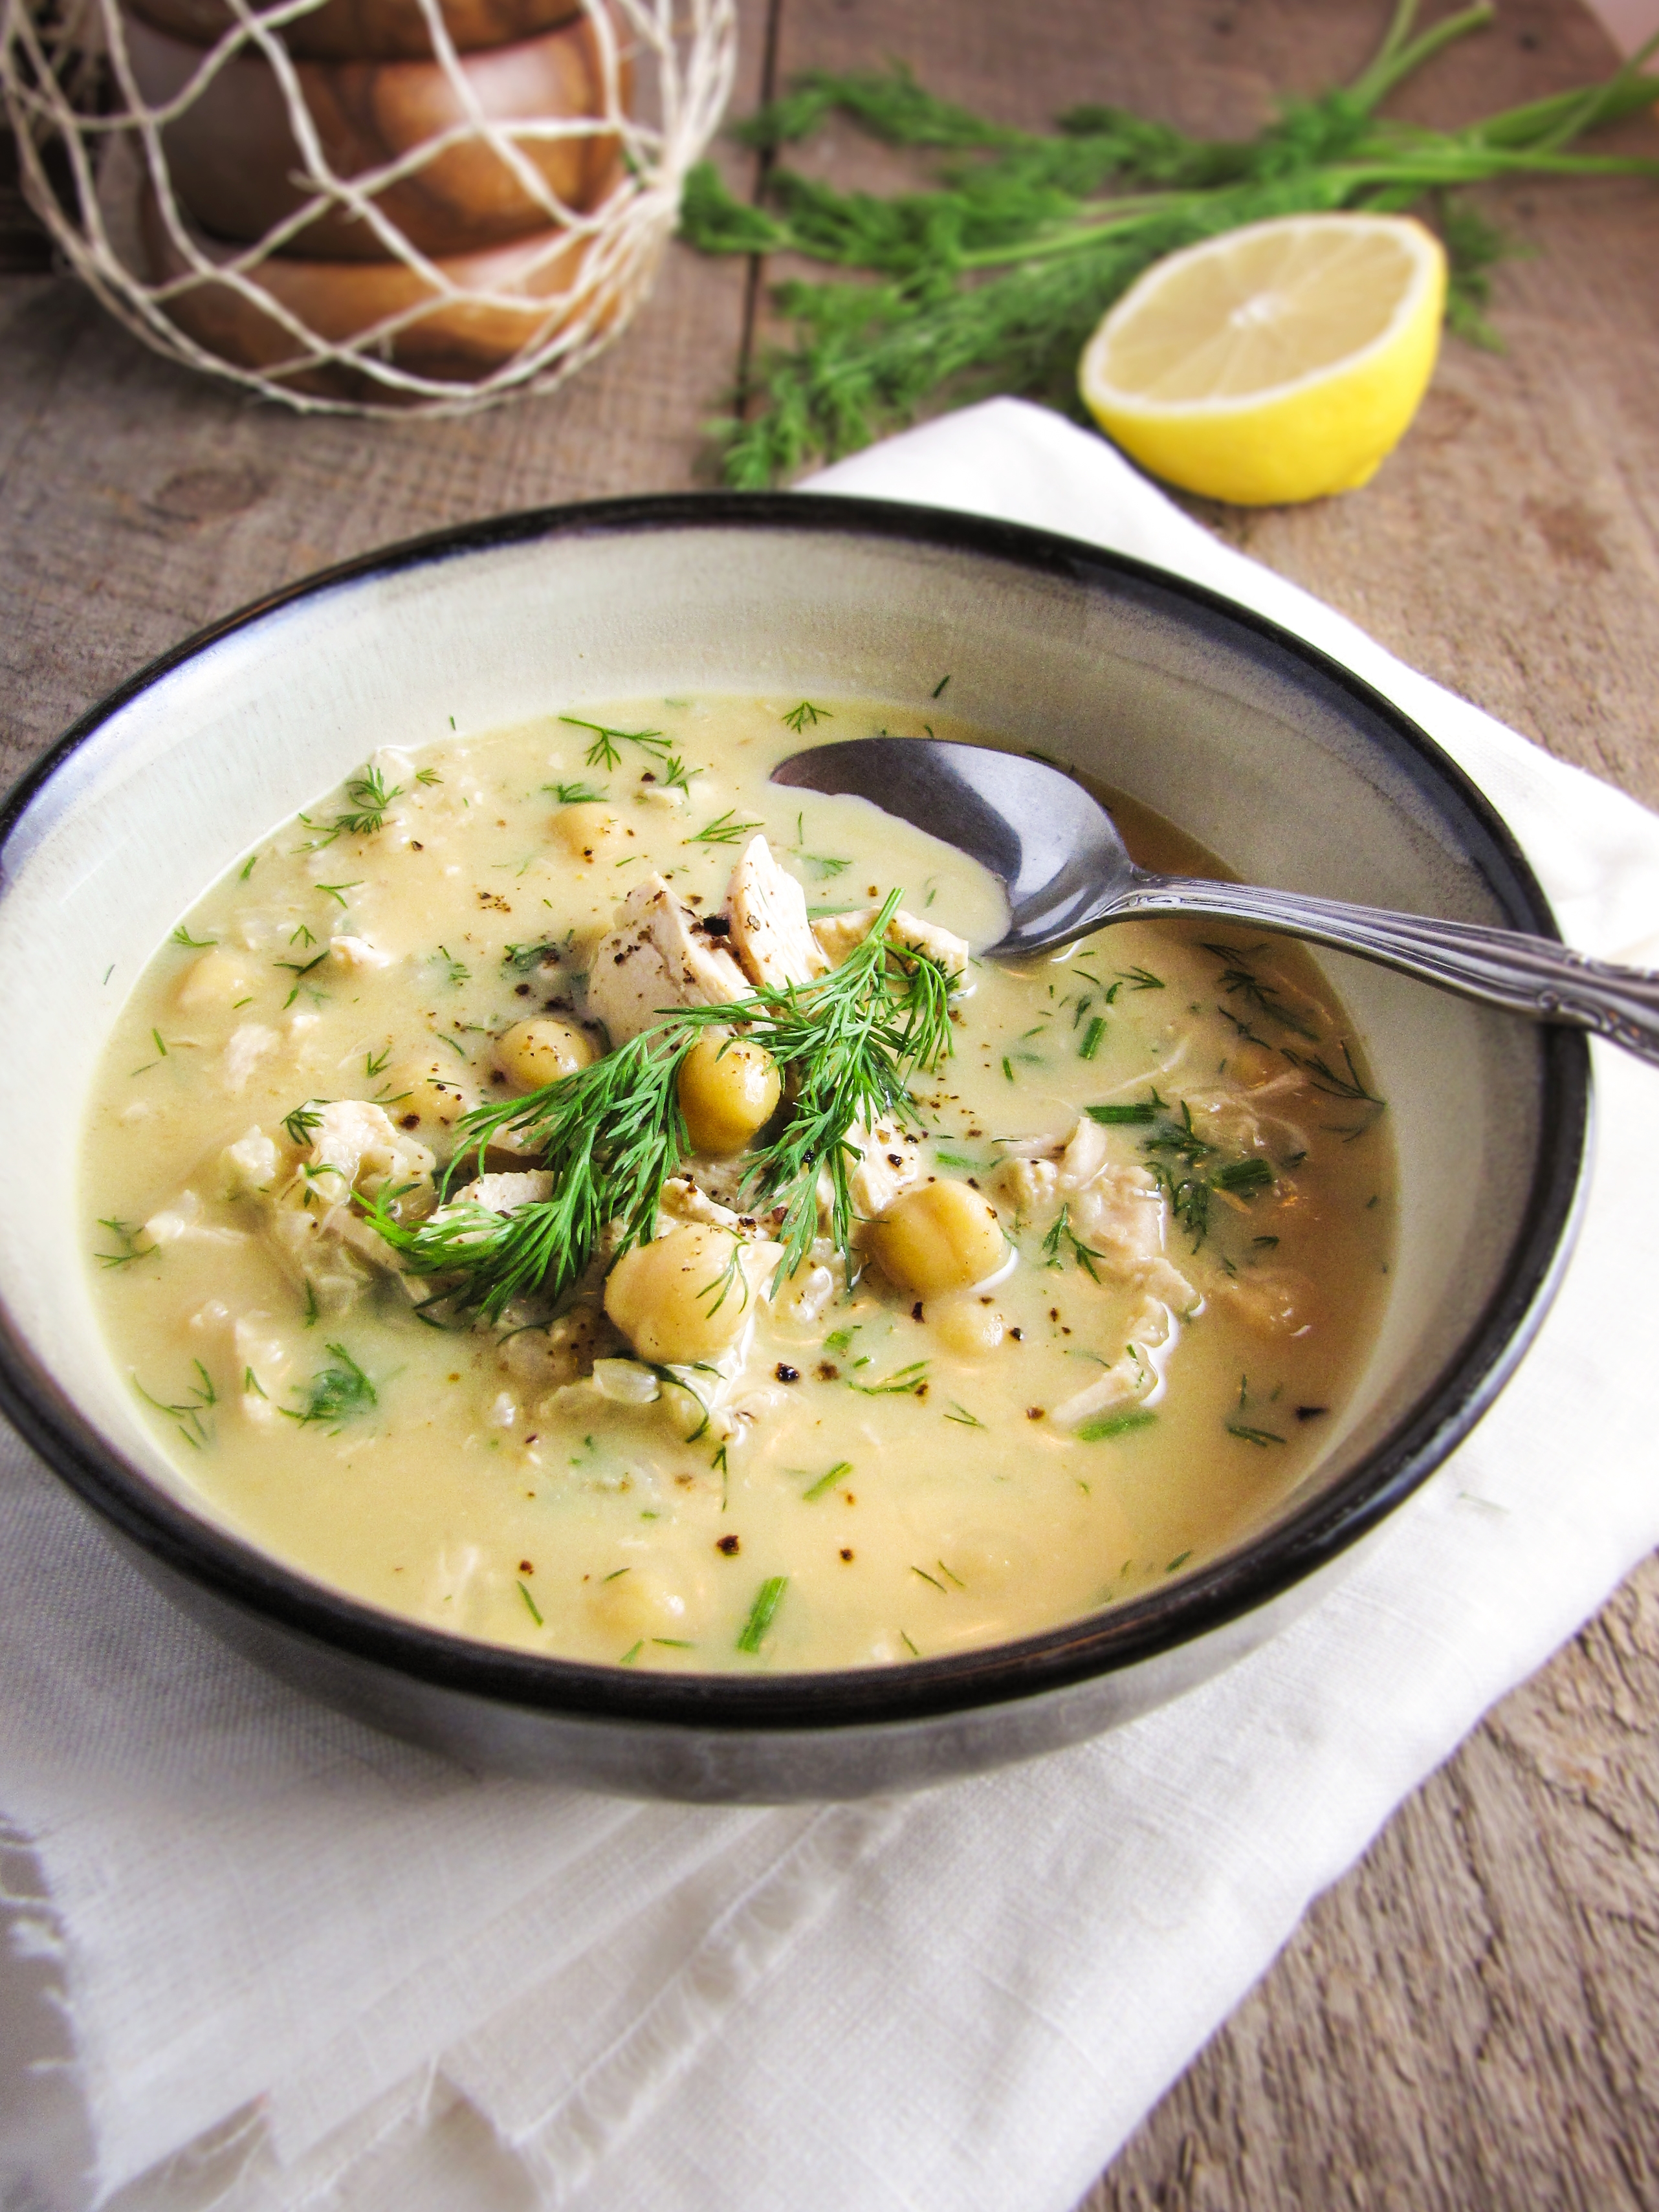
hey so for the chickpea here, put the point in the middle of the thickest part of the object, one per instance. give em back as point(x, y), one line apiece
point(1254, 1064)
point(425, 1096)
point(728, 1090)
point(591, 832)
point(941, 1237)
point(966, 1326)
point(217, 979)
point(686, 1296)
point(637, 1602)
point(535, 1052)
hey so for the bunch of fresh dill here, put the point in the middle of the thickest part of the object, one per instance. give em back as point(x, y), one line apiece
point(993, 280)
point(611, 1134)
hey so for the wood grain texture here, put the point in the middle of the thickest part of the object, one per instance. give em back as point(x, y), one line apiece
point(1467, 2020)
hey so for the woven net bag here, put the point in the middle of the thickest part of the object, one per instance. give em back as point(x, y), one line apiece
point(370, 206)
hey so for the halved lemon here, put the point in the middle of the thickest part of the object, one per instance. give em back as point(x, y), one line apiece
point(1276, 362)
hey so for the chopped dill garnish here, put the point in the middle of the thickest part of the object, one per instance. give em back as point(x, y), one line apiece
point(632, 1653)
point(160, 1046)
point(521, 958)
point(1063, 1233)
point(337, 891)
point(826, 1482)
point(762, 1613)
point(1092, 1034)
point(456, 972)
point(1245, 1177)
point(186, 1415)
point(1113, 1116)
point(297, 970)
point(908, 1646)
point(535, 1611)
point(840, 1339)
point(337, 1394)
point(182, 936)
point(248, 866)
point(374, 1062)
point(1238, 979)
point(801, 718)
point(612, 1133)
point(938, 691)
point(1140, 979)
point(1099, 1426)
point(303, 1123)
point(1324, 1078)
point(1179, 1560)
point(724, 829)
point(369, 797)
point(577, 794)
point(301, 937)
point(933, 1579)
point(962, 1418)
point(1248, 1435)
point(904, 1382)
point(125, 1234)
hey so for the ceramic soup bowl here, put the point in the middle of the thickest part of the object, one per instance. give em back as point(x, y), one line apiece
point(1283, 764)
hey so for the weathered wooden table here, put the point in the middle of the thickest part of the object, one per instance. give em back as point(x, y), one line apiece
point(1465, 2021)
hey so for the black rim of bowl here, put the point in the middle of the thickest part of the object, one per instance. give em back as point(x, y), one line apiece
point(1184, 1610)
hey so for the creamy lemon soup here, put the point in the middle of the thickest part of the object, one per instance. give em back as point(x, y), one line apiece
point(569, 1190)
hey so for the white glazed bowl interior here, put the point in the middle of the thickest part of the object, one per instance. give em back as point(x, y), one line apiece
point(1278, 768)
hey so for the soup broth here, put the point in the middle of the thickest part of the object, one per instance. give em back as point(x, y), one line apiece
point(1096, 1308)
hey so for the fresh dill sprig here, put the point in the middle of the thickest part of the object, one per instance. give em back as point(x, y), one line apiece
point(801, 718)
point(612, 1134)
point(369, 797)
point(724, 829)
point(577, 794)
point(186, 1415)
point(992, 279)
point(522, 958)
point(903, 1383)
point(1061, 1234)
point(303, 1123)
point(126, 1234)
point(1238, 979)
point(182, 936)
point(335, 1394)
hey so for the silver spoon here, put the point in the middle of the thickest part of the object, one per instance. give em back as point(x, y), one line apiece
point(1058, 854)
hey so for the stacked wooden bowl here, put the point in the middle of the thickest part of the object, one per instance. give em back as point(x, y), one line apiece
point(378, 204)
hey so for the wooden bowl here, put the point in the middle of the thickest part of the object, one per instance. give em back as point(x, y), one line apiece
point(457, 342)
point(234, 160)
point(368, 30)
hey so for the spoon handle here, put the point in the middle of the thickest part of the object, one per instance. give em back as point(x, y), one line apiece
point(1529, 976)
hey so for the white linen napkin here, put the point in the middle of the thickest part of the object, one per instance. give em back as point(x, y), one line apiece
point(299, 1964)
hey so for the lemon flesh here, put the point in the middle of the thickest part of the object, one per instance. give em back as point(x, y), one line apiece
point(1276, 363)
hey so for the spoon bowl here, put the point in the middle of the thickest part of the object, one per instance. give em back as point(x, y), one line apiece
point(1066, 871)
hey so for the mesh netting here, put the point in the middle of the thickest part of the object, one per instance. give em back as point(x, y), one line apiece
point(371, 206)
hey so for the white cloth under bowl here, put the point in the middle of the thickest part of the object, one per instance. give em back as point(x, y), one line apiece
point(304, 1965)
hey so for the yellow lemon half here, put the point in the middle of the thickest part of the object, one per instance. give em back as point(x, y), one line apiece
point(1281, 361)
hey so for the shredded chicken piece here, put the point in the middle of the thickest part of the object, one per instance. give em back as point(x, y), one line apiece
point(770, 934)
point(661, 954)
point(323, 1244)
point(1153, 1332)
point(244, 1048)
point(889, 1164)
point(839, 934)
point(351, 951)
